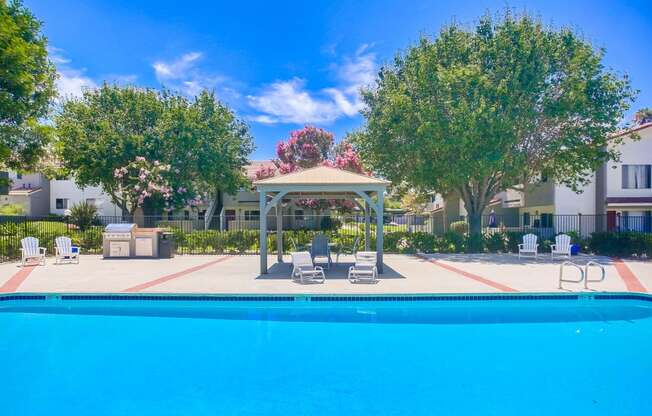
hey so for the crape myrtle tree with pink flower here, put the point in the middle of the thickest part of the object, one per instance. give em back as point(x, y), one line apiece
point(309, 147)
point(151, 149)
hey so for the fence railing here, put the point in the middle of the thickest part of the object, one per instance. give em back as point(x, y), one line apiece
point(240, 234)
point(549, 225)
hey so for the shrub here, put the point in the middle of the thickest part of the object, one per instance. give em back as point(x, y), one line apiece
point(83, 215)
point(424, 242)
point(459, 227)
point(513, 239)
point(453, 243)
point(329, 223)
point(12, 209)
point(495, 243)
point(621, 244)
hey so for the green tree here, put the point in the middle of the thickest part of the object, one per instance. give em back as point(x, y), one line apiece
point(151, 149)
point(476, 111)
point(26, 86)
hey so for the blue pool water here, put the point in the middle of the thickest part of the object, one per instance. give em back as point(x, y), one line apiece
point(299, 357)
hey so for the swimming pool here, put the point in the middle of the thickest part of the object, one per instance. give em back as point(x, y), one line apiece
point(287, 355)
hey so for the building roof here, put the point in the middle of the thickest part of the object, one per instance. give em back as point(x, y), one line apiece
point(254, 165)
point(634, 129)
point(24, 191)
point(322, 175)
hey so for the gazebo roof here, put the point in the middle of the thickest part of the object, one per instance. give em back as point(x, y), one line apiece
point(322, 175)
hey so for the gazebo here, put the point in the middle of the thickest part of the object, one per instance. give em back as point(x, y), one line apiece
point(320, 182)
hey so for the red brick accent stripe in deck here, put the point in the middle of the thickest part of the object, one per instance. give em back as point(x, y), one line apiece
point(16, 280)
point(630, 279)
point(480, 279)
point(169, 277)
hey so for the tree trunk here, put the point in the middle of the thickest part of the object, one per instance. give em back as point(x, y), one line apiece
point(475, 222)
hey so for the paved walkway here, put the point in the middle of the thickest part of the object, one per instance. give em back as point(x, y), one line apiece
point(452, 273)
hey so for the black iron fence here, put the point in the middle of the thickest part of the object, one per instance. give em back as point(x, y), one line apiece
point(240, 234)
point(549, 225)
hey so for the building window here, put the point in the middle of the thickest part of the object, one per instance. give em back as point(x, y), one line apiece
point(90, 201)
point(61, 203)
point(19, 176)
point(186, 215)
point(252, 215)
point(202, 214)
point(298, 214)
point(636, 176)
point(526, 218)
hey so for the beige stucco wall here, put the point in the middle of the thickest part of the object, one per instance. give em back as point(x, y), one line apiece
point(635, 153)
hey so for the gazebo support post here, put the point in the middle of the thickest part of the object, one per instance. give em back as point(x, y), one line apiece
point(367, 226)
point(263, 232)
point(279, 232)
point(379, 229)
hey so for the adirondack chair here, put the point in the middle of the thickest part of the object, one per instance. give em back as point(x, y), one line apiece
point(65, 252)
point(529, 245)
point(304, 270)
point(365, 268)
point(561, 247)
point(31, 251)
point(321, 248)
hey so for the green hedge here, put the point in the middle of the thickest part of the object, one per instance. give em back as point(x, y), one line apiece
point(621, 244)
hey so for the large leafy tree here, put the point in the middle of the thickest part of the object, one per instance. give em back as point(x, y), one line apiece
point(151, 149)
point(26, 86)
point(476, 111)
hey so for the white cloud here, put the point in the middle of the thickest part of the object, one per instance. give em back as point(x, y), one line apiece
point(71, 81)
point(176, 69)
point(183, 74)
point(289, 101)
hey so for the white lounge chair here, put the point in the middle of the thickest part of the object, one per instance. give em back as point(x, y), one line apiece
point(343, 250)
point(304, 270)
point(562, 246)
point(365, 268)
point(529, 245)
point(31, 251)
point(64, 252)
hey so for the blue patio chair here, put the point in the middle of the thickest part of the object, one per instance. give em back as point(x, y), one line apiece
point(320, 248)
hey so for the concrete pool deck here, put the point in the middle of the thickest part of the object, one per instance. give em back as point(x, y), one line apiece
point(433, 273)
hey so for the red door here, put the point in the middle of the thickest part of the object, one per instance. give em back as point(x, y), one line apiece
point(611, 220)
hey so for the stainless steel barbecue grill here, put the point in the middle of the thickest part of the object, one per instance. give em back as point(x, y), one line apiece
point(119, 240)
point(127, 240)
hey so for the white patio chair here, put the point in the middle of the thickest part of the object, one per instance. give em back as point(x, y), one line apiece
point(562, 246)
point(321, 248)
point(529, 245)
point(63, 251)
point(31, 251)
point(365, 268)
point(304, 270)
point(343, 250)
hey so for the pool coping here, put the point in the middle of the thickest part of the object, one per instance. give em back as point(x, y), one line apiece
point(247, 297)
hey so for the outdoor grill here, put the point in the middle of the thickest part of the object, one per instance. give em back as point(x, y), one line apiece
point(119, 240)
point(128, 240)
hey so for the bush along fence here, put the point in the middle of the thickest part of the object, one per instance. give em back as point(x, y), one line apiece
point(402, 233)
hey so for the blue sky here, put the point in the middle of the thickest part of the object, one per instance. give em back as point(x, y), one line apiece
point(284, 64)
